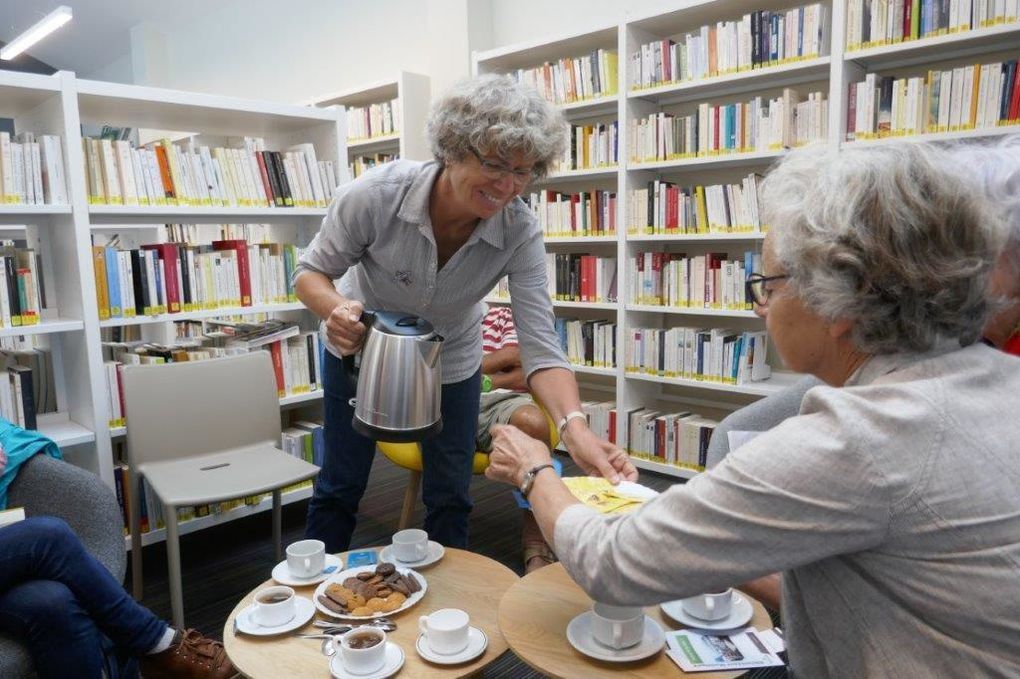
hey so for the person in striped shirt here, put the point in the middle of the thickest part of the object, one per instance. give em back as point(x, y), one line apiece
point(505, 400)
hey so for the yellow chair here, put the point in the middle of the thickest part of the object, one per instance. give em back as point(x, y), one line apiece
point(408, 456)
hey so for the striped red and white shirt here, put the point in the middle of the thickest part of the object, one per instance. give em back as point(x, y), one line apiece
point(498, 329)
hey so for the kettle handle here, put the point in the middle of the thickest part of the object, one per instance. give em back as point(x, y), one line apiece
point(351, 373)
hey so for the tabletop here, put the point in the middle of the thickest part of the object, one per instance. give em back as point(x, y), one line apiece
point(462, 579)
point(535, 611)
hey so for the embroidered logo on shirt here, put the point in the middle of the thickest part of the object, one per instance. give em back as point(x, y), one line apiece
point(404, 277)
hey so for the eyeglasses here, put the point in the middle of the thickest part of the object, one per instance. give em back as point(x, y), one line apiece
point(754, 287)
point(496, 171)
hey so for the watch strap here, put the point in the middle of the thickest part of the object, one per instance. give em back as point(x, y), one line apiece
point(529, 477)
point(565, 420)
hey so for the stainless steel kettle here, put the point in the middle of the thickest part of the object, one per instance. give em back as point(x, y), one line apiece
point(399, 380)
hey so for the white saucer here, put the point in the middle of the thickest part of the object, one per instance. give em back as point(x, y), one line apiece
point(741, 612)
point(435, 553)
point(247, 625)
point(283, 575)
point(579, 636)
point(394, 661)
point(477, 643)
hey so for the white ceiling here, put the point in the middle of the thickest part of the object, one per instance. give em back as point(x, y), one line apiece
point(99, 33)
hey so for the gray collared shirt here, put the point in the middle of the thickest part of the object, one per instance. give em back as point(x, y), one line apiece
point(377, 239)
point(892, 505)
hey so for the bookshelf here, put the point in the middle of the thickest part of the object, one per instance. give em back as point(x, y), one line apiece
point(829, 72)
point(410, 94)
point(69, 327)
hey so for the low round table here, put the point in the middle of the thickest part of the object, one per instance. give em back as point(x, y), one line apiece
point(464, 580)
point(535, 611)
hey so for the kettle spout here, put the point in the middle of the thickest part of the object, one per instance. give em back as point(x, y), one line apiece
point(430, 348)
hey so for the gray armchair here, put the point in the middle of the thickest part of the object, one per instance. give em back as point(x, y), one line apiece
point(48, 487)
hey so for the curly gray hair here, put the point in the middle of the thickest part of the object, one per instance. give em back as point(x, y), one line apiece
point(886, 237)
point(996, 167)
point(496, 114)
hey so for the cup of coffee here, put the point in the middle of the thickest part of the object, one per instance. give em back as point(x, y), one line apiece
point(306, 558)
point(274, 606)
point(410, 545)
point(709, 606)
point(617, 626)
point(363, 651)
point(445, 630)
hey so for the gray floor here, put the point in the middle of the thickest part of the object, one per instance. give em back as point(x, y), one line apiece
point(222, 564)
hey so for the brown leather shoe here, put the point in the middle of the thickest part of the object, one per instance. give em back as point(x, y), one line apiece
point(190, 656)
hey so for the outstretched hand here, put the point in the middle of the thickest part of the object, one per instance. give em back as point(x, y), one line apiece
point(344, 328)
point(596, 456)
point(513, 454)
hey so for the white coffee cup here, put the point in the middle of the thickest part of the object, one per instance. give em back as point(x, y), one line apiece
point(274, 606)
point(364, 660)
point(445, 630)
point(710, 606)
point(617, 626)
point(410, 545)
point(306, 558)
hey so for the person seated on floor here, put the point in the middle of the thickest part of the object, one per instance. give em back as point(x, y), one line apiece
point(891, 503)
point(61, 600)
point(505, 400)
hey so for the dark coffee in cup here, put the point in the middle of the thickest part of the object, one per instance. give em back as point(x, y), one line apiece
point(363, 640)
point(273, 598)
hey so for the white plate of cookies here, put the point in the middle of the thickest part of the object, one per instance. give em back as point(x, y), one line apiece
point(368, 592)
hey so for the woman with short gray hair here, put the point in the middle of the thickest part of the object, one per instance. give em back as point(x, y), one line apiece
point(891, 503)
point(432, 239)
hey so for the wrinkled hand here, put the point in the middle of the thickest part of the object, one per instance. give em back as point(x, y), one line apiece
point(344, 329)
point(598, 457)
point(513, 454)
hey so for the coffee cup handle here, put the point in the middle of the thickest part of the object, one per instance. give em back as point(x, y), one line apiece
point(617, 635)
point(709, 605)
point(308, 562)
point(423, 624)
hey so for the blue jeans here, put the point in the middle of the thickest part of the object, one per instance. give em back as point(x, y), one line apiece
point(447, 460)
point(57, 598)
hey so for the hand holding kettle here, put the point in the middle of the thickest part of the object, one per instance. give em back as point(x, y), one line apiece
point(344, 328)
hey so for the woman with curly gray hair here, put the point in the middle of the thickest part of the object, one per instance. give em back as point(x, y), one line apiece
point(890, 504)
point(433, 238)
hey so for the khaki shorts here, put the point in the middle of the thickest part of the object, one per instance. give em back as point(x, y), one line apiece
point(497, 408)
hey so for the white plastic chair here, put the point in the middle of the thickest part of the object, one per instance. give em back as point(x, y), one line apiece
point(203, 432)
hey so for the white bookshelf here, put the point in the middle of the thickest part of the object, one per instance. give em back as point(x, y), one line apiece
point(412, 92)
point(830, 73)
point(69, 325)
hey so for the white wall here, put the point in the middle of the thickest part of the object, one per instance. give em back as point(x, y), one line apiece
point(514, 21)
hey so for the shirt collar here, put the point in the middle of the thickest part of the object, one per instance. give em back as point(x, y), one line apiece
point(415, 209)
point(883, 364)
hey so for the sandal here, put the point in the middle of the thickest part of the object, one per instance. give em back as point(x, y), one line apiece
point(537, 555)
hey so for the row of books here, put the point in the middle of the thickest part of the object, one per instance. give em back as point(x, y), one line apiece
point(573, 79)
point(756, 40)
point(32, 170)
point(574, 277)
point(151, 509)
point(161, 278)
point(981, 96)
point(362, 164)
point(590, 147)
point(709, 281)
point(713, 355)
point(870, 23)
point(305, 440)
point(374, 120)
point(666, 208)
point(296, 356)
point(191, 233)
point(679, 438)
point(564, 214)
point(601, 417)
point(22, 297)
point(588, 343)
point(760, 124)
point(17, 396)
point(187, 174)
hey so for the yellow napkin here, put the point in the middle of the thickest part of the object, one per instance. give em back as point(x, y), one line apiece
point(600, 494)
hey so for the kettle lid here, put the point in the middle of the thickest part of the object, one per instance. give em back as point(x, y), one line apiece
point(402, 324)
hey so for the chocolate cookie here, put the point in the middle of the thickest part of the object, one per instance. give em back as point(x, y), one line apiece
point(365, 576)
point(385, 569)
point(332, 605)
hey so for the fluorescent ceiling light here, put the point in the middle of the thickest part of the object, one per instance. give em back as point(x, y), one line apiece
point(51, 22)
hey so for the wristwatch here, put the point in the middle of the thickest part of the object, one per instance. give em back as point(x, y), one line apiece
point(529, 477)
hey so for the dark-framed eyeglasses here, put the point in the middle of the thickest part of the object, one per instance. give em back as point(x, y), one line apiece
point(755, 287)
point(496, 171)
